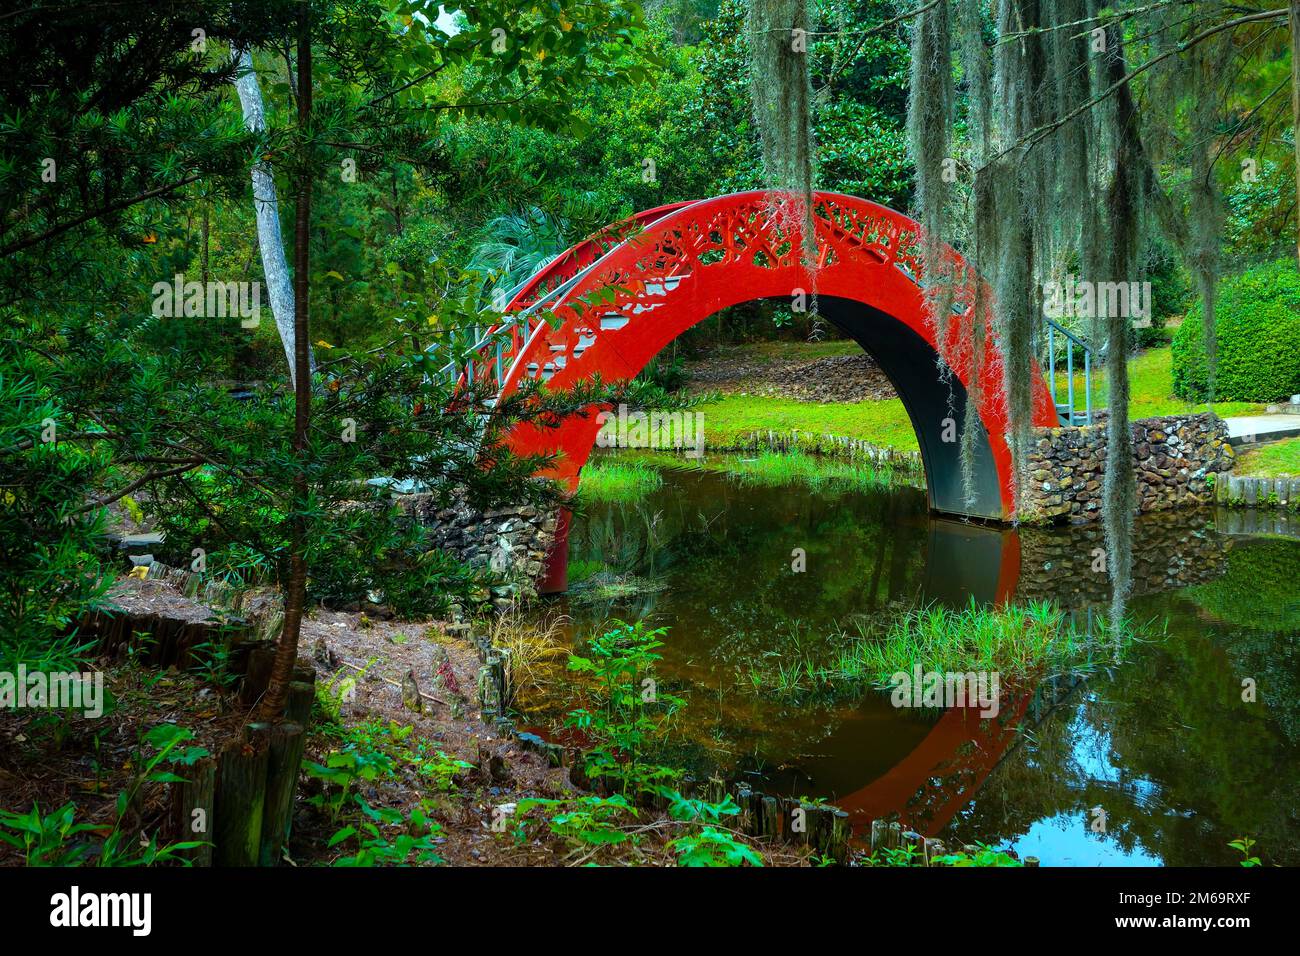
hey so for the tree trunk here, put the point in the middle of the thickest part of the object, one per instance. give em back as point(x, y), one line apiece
point(286, 652)
point(1295, 110)
point(266, 205)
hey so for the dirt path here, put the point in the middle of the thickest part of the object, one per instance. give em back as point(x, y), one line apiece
point(745, 369)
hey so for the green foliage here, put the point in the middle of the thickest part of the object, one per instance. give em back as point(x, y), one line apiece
point(46, 839)
point(584, 821)
point(372, 752)
point(713, 848)
point(51, 542)
point(385, 836)
point(1012, 639)
point(56, 839)
point(1258, 334)
point(1244, 845)
point(626, 717)
point(984, 856)
point(665, 372)
point(626, 707)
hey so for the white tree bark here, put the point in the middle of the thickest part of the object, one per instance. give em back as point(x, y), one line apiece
point(275, 267)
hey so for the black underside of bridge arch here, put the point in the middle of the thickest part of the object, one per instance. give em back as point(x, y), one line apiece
point(910, 363)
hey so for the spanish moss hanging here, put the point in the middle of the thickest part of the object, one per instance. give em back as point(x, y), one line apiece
point(781, 90)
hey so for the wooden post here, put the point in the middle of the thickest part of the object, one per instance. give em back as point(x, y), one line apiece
point(192, 809)
point(770, 819)
point(284, 757)
point(258, 675)
point(750, 802)
point(241, 798)
point(885, 835)
point(302, 695)
point(840, 834)
point(934, 849)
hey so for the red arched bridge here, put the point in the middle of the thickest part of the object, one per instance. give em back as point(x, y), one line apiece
point(619, 297)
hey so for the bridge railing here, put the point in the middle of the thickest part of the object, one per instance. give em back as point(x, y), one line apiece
point(492, 352)
point(1064, 391)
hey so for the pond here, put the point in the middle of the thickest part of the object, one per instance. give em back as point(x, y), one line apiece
point(1158, 759)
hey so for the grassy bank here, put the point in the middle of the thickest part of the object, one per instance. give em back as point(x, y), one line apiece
point(734, 420)
point(779, 468)
point(1272, 460)
point(1151, 389)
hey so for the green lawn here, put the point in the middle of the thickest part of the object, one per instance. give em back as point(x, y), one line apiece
point(734, 419)
point(1151, 387)
point(1272, 460)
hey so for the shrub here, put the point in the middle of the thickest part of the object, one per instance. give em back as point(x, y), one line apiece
point(1258, 334)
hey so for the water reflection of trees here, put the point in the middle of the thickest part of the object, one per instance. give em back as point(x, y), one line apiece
point(1182, 765)
point(734, 596)
point(721, 556)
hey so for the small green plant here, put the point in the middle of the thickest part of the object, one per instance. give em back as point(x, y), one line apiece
point(1244, 845)
point(49, 839)
point(712, 847)
point(212, 662)
point(983, 856)
point(340, 773)
point(586, 821)
point(338, 690)
point(895, 856)
point(627, 708)
point(693, 809)
point(386, 837)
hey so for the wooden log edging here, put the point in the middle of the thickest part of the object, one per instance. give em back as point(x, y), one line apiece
point(1241, 491)
point(237, 804)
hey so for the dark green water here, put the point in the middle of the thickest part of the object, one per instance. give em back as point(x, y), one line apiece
point(1163, 743)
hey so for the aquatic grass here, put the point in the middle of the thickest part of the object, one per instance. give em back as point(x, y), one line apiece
point(1016, 640)
point(789, 465)
point(1011, 639)
point(1036, 639)
point(771, 468)
point(609, 481)
point(536, 649)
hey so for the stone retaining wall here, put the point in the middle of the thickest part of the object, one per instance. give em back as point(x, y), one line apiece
point(1175, 456)
point(509, 543)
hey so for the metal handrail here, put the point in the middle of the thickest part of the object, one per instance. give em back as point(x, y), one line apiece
point(1071, 342)
point(452, 369)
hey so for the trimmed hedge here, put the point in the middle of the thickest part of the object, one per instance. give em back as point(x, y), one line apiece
point(1258, 330)
point(1257, 324)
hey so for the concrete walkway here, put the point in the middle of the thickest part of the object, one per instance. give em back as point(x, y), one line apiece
point(1248, 429)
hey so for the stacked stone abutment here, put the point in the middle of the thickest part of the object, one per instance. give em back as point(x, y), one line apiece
point(1175, 457)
